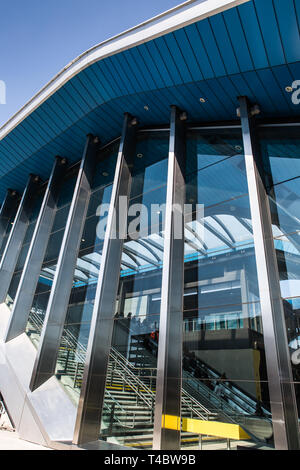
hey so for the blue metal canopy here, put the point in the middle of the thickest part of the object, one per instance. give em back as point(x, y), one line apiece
point(251, 49)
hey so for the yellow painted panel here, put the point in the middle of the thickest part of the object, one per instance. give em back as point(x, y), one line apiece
point(171, 422)
point(214, 428)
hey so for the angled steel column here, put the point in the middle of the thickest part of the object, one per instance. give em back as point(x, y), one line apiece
point(7, 209)
point(16, 236)
point(36, 253)
point(282, 395)
point(169, 365)
point(56, 311)
point(88, 421)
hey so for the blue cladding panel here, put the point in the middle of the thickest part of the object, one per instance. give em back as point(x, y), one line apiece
point(181, 61)
point(151, 66)
point(238, 40)
point(141, 67)
point(289, 30)
point(253, 34)
point(253, 50)
point(224, 44)
point(169, 59)
point(211, 47)
point(160, 63)
point(196, 45)
point(270, 83)
point(188, 53)
point(261, 92)
point(270, 32)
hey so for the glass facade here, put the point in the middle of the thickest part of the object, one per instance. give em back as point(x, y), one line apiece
point(223, 351)
point(73, 346)
point(8, 229)
point(224, 366)
point(281, 156)
point(43, 288)
point(128, 409)
point(11, 294)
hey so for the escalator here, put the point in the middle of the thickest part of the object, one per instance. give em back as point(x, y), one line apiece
point(128, 411)
point(230, 404)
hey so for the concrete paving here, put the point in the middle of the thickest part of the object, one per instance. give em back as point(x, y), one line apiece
point(11, 441)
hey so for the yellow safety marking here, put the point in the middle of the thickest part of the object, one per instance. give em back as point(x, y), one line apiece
point(214, 428)
point(170, 422)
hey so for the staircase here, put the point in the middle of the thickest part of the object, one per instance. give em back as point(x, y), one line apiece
point(128, 411)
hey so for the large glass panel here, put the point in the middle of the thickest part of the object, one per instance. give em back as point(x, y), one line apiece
point(128, 411)
point(43, 288)
point(206, 398)
point(8, 229)
point(11, 294)
point(72, 351)
point(224, 366)
point(281, 156)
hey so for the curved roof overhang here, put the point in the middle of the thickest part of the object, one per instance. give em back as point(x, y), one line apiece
point(215, 49)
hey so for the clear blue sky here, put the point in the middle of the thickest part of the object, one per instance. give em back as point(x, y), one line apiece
point(39, 37)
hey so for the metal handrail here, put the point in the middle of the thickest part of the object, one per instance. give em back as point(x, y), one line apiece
point(118, 358)
point(187, 399)
point(118, 405)
point(136, 384)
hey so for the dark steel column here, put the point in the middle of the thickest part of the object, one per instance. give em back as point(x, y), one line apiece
point(87, 426)
point(56, 311)
point(7, 208)
point(16, 236)
point(282, 395)
point(169, 367)
point(36, 253)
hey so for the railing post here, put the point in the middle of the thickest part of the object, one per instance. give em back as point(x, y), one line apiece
point(281, 389)
point(46, 358)
point(7, 209)
point(169, 361)
point(93, 387)
point(36, 253)
point(16, 236)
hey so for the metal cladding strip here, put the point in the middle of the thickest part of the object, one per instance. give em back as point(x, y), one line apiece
point(281, 390)
point(36, 253)
point(16, 236)
point(168, 383)
point(94, 377)
point(7, 209)
point(56, 311)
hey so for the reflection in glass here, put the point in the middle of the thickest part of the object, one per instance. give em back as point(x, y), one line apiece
point(24, 248)
point(43, 288)
point(8, 229)
point(209, 397)
point(128, 410)
point(73, 347)
point(224, 366)
point(281, 155)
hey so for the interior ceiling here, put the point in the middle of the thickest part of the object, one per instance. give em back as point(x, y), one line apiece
point(252, 49)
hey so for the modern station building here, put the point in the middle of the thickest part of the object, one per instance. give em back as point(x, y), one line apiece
point(114, 330)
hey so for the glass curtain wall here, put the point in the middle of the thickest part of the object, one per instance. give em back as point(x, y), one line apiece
point(9, 227)
point(224, 368)
point(281, 157)
point(128, 411)
point(72, 351)
point(11, 294)
point(43, 288)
